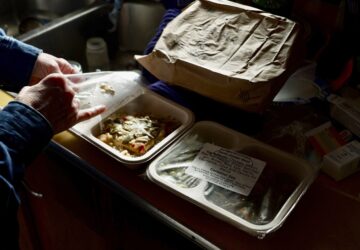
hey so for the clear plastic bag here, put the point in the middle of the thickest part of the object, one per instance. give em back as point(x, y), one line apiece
point(108, 88)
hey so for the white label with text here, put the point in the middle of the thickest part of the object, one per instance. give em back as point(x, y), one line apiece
point(226, 168)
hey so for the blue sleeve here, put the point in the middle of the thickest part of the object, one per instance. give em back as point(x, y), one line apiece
point(170, 4)
point(23, 134)
point(17, 60)
point(169, 15)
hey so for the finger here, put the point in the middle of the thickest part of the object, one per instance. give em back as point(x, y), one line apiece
point(74, 107)
point(70, 108)
point(65, 66)
point(67, 120)
point(74, 78)
point(34, 80)
point(74, 85)
point(63, 82)
point(86, 114)
point(55, 79)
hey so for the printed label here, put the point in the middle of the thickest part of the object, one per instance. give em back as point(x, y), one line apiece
point(226, 168)
point(346, 153)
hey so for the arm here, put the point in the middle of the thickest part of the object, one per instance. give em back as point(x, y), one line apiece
point(47, 107)
point(23, 133)
point(170, 4)
point(22, 64)
point(169, 15)
point(17, 60)
point(26, 126)
point(28, 123)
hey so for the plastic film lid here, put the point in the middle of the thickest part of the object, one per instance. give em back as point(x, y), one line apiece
point(110, 88)
point(100, 88)
point(180, 155)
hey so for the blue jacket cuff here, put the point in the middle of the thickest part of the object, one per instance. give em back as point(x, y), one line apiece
point(16, 62)
point(24, 130)
point(170, 4)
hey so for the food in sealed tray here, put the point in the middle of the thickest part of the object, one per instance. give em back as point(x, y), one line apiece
point(172, 167)
point(265, 200)
point(269, 194)
point(177, 175)
point(134, 135)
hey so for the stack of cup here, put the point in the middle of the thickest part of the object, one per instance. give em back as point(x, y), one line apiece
point(97, 54)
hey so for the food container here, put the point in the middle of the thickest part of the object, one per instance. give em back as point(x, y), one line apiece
point(122, 93)
point(238, 179)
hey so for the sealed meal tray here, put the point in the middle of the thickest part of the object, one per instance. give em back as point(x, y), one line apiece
point(137, 123)
point(234, 177)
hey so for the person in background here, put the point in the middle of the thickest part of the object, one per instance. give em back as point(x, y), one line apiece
point(338, 63)
point(46, 107)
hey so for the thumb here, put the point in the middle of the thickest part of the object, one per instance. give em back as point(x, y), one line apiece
point(34, 80)
point(90, 113)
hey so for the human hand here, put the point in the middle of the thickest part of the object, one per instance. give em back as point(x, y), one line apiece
point(47, 64)
point(54, 98)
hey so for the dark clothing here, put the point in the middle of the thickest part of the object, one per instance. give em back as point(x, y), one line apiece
point(171, 4)
point(24, 132)
point(17, 60)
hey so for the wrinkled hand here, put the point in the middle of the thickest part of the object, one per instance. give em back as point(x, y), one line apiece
point(54, 98)
point(47, 64)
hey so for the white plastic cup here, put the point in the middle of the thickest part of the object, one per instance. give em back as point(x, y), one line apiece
point(97, 54)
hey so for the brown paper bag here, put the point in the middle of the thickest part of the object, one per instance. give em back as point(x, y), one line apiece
point(230, 52)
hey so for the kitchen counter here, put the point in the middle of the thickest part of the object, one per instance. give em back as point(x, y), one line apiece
point(327, 216)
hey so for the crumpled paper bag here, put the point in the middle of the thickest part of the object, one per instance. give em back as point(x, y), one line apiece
point(227, 51)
